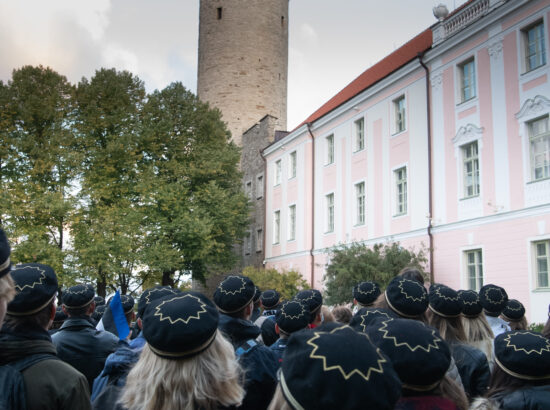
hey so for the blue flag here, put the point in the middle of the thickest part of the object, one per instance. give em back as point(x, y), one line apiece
point(114, 319)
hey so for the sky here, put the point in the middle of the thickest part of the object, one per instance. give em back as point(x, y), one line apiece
point(330, 41)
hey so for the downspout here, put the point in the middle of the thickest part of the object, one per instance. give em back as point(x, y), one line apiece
point(430, 198)
point(312, 204)
point(264, 232)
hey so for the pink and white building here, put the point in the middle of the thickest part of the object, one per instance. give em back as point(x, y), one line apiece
point(444, 144)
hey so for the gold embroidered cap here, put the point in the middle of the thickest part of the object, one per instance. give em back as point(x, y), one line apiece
point(270, 299)
point(78, 296)
point(35, 286)
point(513, 311)
point(444, 301)
point(493, 298)
point(523, 354)
point(181, 325)
point(406, 297)
point(292, 316)
point(366, 317)
point(151, 294)
point(5, 250)
point(365, 293)
point(471, 306)
point(337, 368)
point(234, 293)
point(313, 299)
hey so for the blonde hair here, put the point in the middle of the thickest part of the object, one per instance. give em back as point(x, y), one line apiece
point(479, 334)
point(7, 288)
point(342, 314)
point(518, 324)
point(327, 315)
point(207, 381)
point(278, 402)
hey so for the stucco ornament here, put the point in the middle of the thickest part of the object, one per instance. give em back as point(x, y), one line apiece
point(534, 106)
point(466, 134)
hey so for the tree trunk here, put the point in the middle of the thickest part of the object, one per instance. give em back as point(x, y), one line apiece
point(168, 278)
point(101, 285)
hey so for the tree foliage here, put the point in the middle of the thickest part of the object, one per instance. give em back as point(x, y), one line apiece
point(356, 263)
point(287, 283)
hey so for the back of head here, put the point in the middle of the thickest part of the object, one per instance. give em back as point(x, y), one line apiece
point(493, 299)
point(365, 317)
point(152, 294)
point(293, 316)
point(412, 273)
point(77, 300)
point(269, 335)
point(445, 308)
point(514, 314)
point(270, 299)
point(366, 293)
point(313, 299)
point(342, 314)
point(406, 297)
point(234, 294)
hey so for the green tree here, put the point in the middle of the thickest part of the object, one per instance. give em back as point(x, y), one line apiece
point(287, 283)
point(358, 262)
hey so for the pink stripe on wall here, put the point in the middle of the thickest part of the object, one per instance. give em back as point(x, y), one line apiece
point(466, 47)
point(378, 177)
point(535, 83)
point(486, 119)
point(340, 214)
point(511, 76)
point(449, 133)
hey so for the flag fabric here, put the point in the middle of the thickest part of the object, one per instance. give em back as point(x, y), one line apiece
point(114, 320)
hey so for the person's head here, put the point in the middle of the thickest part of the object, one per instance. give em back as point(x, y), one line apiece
point(342, 314)
point(234, 296)
point(411, 273)
point(514, 314)
point(293, 316)
point(34, 304)
point(313, 299)
point(476, 328)
point(406, 297)
point(444, 312)
point(78, 300)
point(98, 312)
point(256, 300)
point(187, 363)
point(522, 358)
point(59, 319)
point(318, 372)
point(99, 301)
point(7, 290)
point(270, 299)
point(327, 314)
point(365, 293)
point(269, 331)
point(365, 317)
point(493, 299)
point(150, 295)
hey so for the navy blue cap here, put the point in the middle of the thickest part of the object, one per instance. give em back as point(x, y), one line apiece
point(99, 300)
point(78, 296)
point(127, 303)
point(234, 293)
point(493, 298)
point(151, 294)
point(471, 306)
point(312, 298)
point(513, 311)
point(270, 298)
point(523, 354)
point(444, 301)
point(365, 293)
point(35, 286)
point(293, 316)
point(406, 297)
point(365, 317)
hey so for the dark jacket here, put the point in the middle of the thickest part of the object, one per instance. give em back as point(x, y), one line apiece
point(425, 403)
point(259, 363)
point(278, 348)
point(108, 385)
point(473, 368)
point(51, 383)
point(83, 347)
point(528, 398)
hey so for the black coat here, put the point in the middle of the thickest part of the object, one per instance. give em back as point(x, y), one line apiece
point(83, 347)
point(259, 363)
point(473, 368)
point(528, 398)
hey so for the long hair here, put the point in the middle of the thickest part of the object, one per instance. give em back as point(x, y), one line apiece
point(479, 334)
point(502, 382)
point(278, 402)
point(207, 381)
point(519, 324)
point(450, 328)
point(447, 389)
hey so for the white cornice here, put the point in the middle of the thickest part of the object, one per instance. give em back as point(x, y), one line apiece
point(534, 106)
point(270, 149)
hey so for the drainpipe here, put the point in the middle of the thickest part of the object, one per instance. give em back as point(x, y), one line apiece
point(264, 228)
point(430, 198)
point(312, 280)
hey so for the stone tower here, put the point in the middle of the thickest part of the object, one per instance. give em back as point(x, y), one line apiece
point(243, 60)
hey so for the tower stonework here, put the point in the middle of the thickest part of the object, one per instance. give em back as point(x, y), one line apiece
point(243, 61)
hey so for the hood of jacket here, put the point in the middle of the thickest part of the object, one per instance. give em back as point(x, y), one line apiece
point(120, 361)
point(238, 331)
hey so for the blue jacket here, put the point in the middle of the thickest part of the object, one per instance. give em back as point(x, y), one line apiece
point(259, 362)
point(278, 348)
point(138, 343)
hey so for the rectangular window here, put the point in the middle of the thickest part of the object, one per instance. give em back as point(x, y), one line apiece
point(400, 118)
point(329, 199)
point(330, 149)
point(247, 243)
point(360, 201)
point(535, 49)
point(278, 169)
point(259, 240)
point(542, 262)
point(539, 148)
point(248, 189)
point(292, 168)
point(259, 186)
point(467, 77)
point(470, 160)
point(359, 134)
point(291, 222)
point(276, 227)
point(219, 13)
point(401, 191)
point(474, 265)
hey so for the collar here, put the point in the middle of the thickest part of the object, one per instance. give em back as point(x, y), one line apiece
point(77, 322)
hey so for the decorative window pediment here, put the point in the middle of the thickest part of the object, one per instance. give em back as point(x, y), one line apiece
point(467, 134)
point(534, 106)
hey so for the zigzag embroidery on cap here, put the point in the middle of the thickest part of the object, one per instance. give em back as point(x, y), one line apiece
point(79, 292)
point(39, 282)
point(472, 302)
point(422, 298)
point(232, 292)
point(539, 352)
point(427, 349)
point(147, 301)
point(438, 293)
point(516, 309)
point(372, 289)
point(499, 291)
point(346, 376)
point(298, 316)
point(366, 315)
point(311, 295)
point(201, 309)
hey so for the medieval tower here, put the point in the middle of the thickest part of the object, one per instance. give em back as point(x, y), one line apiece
point(243, 61)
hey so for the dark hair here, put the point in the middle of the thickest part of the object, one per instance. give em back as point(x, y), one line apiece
point(81, 311)
point(503, 382)
point(450, 328)
point(518, 324)
point(411, 273)
point(129, 317)
point(39, 319)
point(238, 314)
point(342, 314)
point(269, 336)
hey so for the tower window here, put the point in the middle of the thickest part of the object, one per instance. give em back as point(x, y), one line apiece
point(219, 9)
point(282, 21)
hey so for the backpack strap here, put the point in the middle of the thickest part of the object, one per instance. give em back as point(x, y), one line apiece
point(26, 362)
point(245, 347)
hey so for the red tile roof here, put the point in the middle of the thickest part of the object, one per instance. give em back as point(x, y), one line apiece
point(377, 72)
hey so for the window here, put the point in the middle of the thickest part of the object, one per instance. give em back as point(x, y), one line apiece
point(399, 109)
point(259, 186)
point(359, 134)
point(539, 148)
point(278, 172)
point(535, 49)
point(467, 78)
point(360, 201)
point(330, 149)
point(292, 222)
point(292, 168)
point(329, 199)
point(259, 239)
point(248, 189)
point(247, 243)
point(276, 227)
point(219, 12)
point(401, 191)
point(470, 160)
point(474, 265)
point(542, 250)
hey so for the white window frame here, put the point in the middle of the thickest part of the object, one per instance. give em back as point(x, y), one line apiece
point(276, 227)
point(400, 114)
point(259, 239)
point(397, 183)
point(359, 134)
point(478, 262)
point(329, 147)
point(462, 78)
point(360, 204)
point(291, 222)
point(532, 156)
point(278, 172)
point(259, 186)
point(540, 45)
point(292, 163)
point(329, 213)
point(248, 189)
point(474, 161)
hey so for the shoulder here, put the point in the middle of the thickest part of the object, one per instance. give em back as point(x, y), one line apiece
point(54, 372)
point(527, 398)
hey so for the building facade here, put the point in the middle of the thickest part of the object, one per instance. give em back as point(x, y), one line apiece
point(443, 145)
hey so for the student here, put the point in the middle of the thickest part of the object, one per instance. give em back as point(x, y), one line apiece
point(186, 363)
point(342, 314)
point(365, 294)
point(292, 316)
point(514, 314)
point(493, 299)
point(406, 297)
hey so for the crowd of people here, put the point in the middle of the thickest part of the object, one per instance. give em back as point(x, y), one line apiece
point(408, 346)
